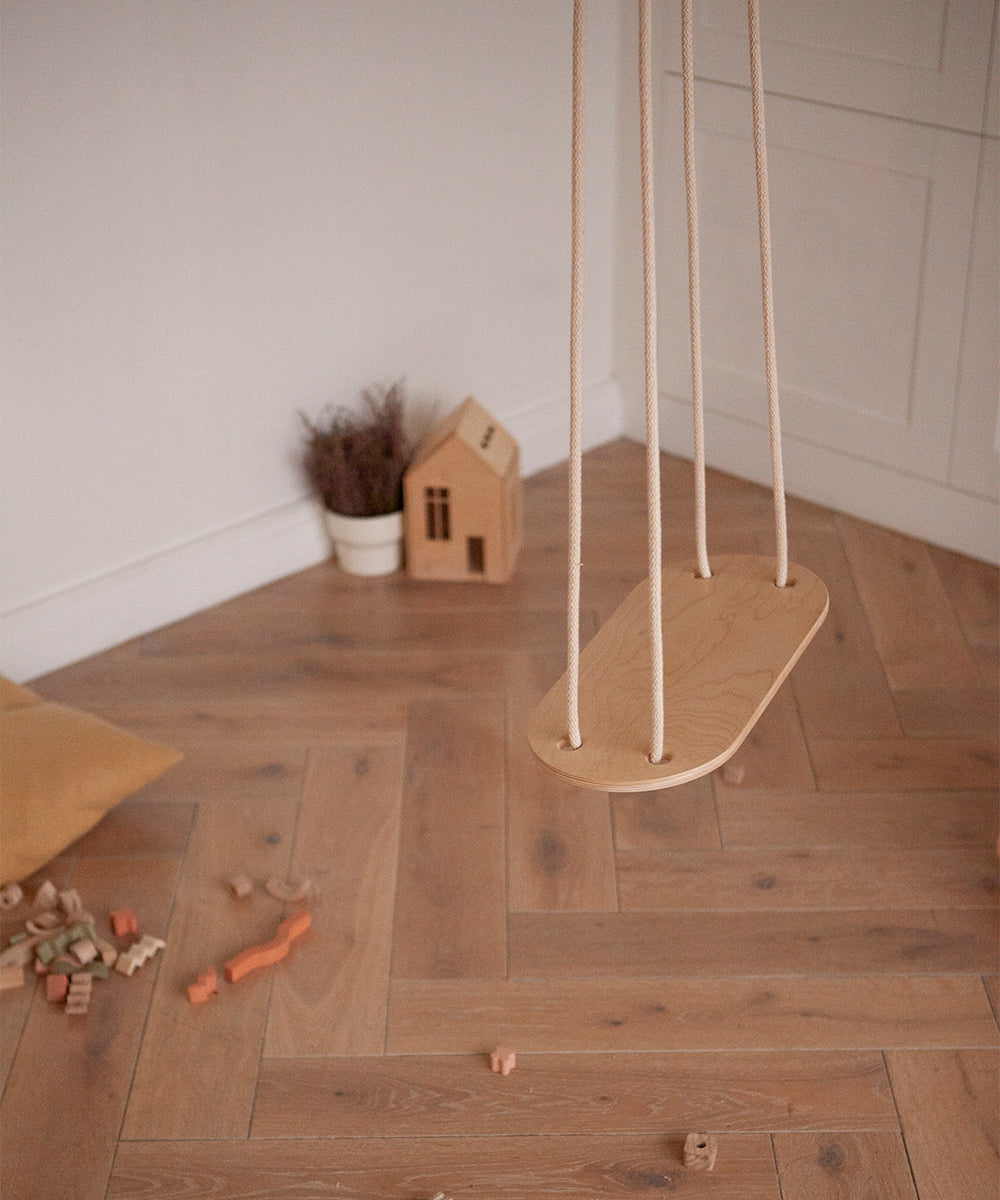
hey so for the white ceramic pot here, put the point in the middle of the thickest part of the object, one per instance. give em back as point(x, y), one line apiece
point(367, 545)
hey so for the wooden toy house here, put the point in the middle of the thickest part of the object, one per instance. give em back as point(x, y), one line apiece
point(462, 500)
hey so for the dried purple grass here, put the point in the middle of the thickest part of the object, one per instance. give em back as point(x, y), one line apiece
point(354, 461)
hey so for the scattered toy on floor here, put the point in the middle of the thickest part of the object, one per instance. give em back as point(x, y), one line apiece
point(269, 952)
point(207, 984)
point(699, 1151)
point(503, 1060)
point(289, 893)
point(124, 922)
point(241, 886)
point(733, 773)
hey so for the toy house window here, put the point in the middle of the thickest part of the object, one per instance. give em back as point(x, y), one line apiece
point(438, 517)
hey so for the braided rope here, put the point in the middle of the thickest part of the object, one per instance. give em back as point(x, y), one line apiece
point(767, 293)
point(575, 385)
point(694, 293)
point(652, 387)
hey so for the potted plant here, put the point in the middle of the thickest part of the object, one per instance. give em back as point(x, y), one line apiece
point(354, 462)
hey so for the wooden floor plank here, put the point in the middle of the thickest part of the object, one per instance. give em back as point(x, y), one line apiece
point(82, 1065)
point(935, 712)
point(949, 1107)
point(347, 844)
point(287, 725)
point(905, 764)
point(567, 945)
point(590, 1015)
point(973, 588)
point(775, 753)
point(839, 683)
point(197, 1070)
point(501, 1168)
point(257, 770)
point(820, 878)
point(913, 623)
point(676, 818)
point(843, 1166)
point(450, 901)
point(442, 1095)
point(787, 818)
point(559, 844)
point(140, 826)
point(365, 627)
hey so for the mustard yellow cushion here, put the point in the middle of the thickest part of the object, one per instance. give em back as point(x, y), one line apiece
point(60, 771)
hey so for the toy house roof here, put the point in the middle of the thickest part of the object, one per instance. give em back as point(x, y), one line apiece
point(471, 424)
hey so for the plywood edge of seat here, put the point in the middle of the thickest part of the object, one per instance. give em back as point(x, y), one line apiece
point(728, 643)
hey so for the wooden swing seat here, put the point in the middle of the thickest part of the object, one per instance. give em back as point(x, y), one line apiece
point(728, 642)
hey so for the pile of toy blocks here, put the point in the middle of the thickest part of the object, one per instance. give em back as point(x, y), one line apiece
point(60, 943)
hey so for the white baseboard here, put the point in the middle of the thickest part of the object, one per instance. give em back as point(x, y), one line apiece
point(86, 618)
point(92, 616)
point(933, 512)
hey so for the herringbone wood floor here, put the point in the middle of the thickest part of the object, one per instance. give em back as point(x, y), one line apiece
point(804, 963)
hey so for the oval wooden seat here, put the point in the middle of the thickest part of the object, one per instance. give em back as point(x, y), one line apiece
point(728, 642)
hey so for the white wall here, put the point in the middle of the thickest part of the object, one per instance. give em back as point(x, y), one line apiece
point(882, 148)
point(216, 212)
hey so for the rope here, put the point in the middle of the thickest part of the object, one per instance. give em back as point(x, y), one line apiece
point(652, 387)
point(694, 293)
point(575, 386)
point(770, 366)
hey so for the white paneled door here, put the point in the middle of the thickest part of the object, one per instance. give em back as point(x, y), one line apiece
point(884, 222)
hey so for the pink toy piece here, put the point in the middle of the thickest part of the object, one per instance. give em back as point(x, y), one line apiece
point(503, 1060)
point(124, 922)
point(56, 988)
point(269, 952)
point(206, 985)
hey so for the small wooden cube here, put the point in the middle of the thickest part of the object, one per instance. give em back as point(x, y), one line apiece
point(733, 774)
point(241, 886)
point(503, 1060)
point(84, 951)
point(699, 1151)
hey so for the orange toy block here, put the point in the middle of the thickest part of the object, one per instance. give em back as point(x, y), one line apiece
point(207, 984)
point(124, 922)
point(271, 952)
point(56, 988)
point(503, 1060)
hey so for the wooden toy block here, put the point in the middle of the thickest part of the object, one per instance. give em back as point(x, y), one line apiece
point(71, 902)
point(138, 954)
point(61, 965)
point(44, 922)
point(206, 985)
point(84, 951)
point(268, 953)
point(289, 893)
point(46, 896)
point(241, 886)
point(78, 997)
point(127, 964)
point(107, 952)
point(98, 969)
point(733, 773)
point(503, 1059)
point(699, 1151)
point(56, 988)
point(124, 922)
point(11, 977)
point(11, 896)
